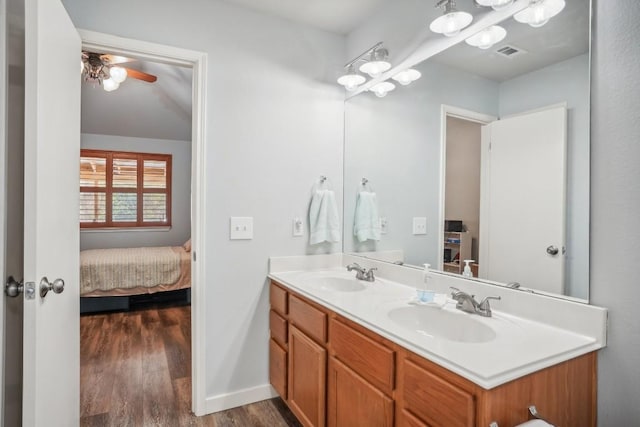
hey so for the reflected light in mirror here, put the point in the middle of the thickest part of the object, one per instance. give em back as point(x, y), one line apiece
point(539, 12)
point(381, 89)
point(495, 4)
point(110, 85)
point(487, 37)
point(406, 77)
point(452, 21)
point(351, 80)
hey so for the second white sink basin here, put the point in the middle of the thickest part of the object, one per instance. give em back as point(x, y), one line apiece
point(433, 322)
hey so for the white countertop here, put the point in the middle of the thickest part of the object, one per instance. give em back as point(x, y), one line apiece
point(521, 346)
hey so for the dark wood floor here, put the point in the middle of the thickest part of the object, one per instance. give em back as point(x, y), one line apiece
point(136, 371)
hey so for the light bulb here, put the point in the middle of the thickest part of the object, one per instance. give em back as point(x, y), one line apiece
point(406, 77)
point(375, 68)
point(81, 66)
point(351, 80)
point(118, 74)
point(495, 4)
point(381, 89)
point(487, 37)
point(451, 23)
point(539, 12)
point(110, 85)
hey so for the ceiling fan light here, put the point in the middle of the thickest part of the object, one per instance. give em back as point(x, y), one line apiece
point(406, 77)
point(382, 88)
point(539, 12)
point(118, 74)
point(495, 4)
point(487, 37)
point(451, 23)
point(110, 85)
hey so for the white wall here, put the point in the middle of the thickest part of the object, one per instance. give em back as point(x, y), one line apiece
point(566, 81)
point(615, 206)
point(401, 132)
point(274, 124)
point(180, 194)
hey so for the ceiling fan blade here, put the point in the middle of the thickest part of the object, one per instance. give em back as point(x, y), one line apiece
point(135, 74)
point(114, 59)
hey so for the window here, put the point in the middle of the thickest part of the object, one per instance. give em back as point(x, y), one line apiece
point(121, 189)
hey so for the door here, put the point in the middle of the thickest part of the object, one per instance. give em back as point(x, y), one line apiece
point(11, 205)
point(51, 395)
point(524, 177)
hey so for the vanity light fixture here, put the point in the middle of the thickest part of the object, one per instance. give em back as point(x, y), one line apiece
point(374, 62)
point(382, 89)
point(351, 80)
point(539, 12)
point(406, 77)
point(110, 85)
point(487, 37)
point(452, 21)
point(495, 4)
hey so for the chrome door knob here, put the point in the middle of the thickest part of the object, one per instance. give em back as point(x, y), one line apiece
point(57, 286)
point(13, 288)
point(552, 250)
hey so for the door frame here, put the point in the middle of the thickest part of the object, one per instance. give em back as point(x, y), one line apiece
point(460, 113)
point(198, 61)
point(4, 85)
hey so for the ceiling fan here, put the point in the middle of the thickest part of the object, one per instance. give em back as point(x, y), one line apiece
point(105, 70)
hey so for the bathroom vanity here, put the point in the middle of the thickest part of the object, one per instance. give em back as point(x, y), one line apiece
point(340, 355)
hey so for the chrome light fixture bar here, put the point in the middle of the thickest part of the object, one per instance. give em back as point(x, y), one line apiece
point(374, 64)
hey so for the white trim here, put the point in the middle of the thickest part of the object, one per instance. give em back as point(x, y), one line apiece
point(537, 110)
point(460, 113)
point(225, 401)
point(198, 61)
point(3, 186)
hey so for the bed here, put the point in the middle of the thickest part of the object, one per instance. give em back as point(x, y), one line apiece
point(126, 272)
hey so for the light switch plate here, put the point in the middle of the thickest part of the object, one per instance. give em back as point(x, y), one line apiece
point(241, 228)
point(383, 225)
point(298, 227)
point(419, 225)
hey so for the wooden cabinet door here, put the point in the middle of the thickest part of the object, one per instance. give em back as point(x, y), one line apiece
point(307, 378)
point(278, 368)
point(354, 402)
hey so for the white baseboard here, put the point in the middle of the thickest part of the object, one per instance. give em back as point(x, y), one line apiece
point(239, 398)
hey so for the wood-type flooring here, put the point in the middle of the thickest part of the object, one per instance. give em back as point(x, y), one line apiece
point(136, 371)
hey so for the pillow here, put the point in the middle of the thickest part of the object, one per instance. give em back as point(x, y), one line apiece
point(187, 245)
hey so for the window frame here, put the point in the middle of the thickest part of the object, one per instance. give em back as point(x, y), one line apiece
point(139, 190)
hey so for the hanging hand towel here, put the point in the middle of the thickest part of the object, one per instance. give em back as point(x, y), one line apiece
point(367, 221)
point(324, 221)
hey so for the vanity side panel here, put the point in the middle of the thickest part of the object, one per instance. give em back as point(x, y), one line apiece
point(564, 394)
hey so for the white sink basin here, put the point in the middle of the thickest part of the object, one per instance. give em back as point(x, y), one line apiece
point(433, 322)
point(335, 283)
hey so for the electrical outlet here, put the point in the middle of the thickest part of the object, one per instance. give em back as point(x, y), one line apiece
point(298, 227)
point(241, 228)
point(419, 225)
point(383, 225)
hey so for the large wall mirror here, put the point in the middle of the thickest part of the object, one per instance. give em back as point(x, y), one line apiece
point(484, 158)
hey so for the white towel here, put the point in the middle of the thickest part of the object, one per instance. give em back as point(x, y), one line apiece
point(324, 221)
point(367, 221)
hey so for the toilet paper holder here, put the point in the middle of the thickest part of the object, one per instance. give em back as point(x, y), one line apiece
point(534, 413)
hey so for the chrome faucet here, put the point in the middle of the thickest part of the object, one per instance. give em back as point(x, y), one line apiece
point(362, 273)
point(468, 303)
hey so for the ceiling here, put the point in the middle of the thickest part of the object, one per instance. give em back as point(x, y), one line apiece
point(336, 16)
point(160, 110)
point(564, 36)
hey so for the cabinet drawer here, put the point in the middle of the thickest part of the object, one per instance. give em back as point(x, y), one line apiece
point(278, 368)
point(278, 327)
point(278, 299)
point(434, 400)
point(371, 360)
point(308, 319)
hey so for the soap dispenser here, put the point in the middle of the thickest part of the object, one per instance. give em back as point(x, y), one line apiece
point(467, 268)
point(425, 295)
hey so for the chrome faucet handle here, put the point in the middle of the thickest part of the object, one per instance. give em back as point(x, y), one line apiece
point(454, 291)
point(485, 302)
point(368, 276)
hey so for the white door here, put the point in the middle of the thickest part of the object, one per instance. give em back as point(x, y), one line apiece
point(51, 379)
point(522, 215)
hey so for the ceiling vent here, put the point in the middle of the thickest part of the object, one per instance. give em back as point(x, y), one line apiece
point(510, 51)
